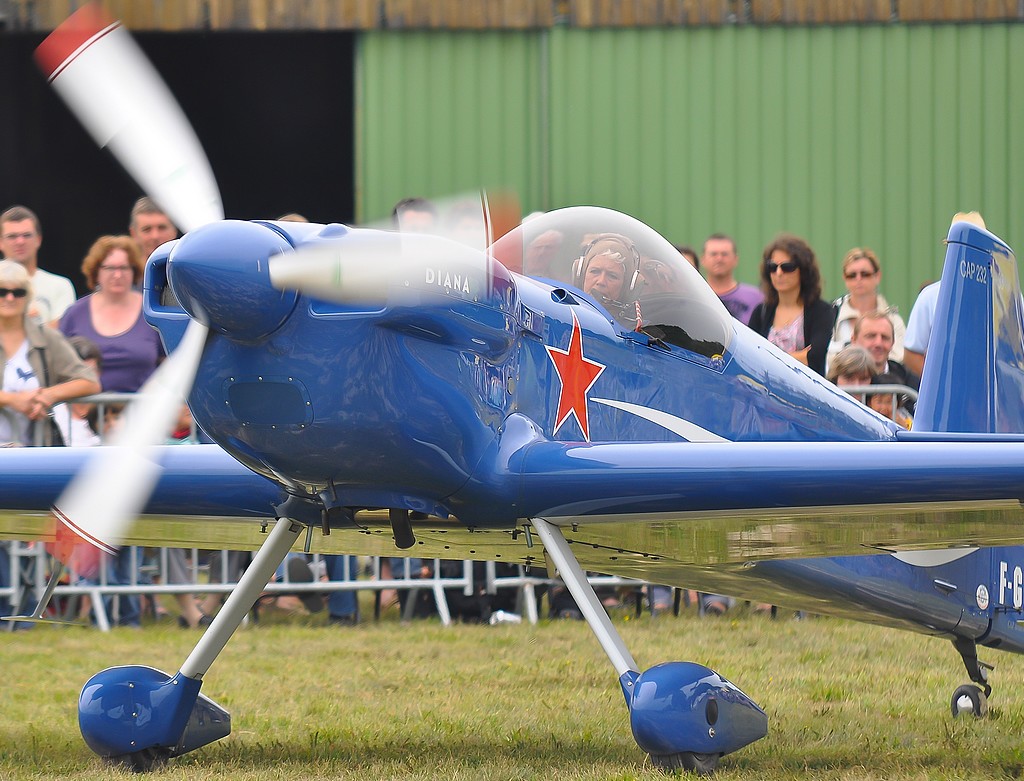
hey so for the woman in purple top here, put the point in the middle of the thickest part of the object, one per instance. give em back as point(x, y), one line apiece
point(111, 316)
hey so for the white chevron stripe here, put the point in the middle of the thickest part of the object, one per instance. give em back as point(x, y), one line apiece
point(684, 428)
point(932, 558)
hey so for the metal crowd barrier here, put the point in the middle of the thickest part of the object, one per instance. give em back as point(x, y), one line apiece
point(870, 390)
point(101, 400)
point(861, 392)
point(30, 564)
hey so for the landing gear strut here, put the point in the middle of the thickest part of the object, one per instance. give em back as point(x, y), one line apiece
point(970, 698)
point(682, 714)
point(137, 717)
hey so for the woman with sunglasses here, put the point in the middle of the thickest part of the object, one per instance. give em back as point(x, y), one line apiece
point(793, 316)
point(111, 316)
point(40, 367)
point(862, 274)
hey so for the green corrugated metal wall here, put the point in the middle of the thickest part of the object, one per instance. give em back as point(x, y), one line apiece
point(446, 113)
point(852, 135)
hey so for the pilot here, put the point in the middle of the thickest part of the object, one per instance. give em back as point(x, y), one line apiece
point(414, 215)
point(609, 270)
point(541, 253)
point(659, 276)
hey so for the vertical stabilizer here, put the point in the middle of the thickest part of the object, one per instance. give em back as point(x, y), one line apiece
point(974, 368)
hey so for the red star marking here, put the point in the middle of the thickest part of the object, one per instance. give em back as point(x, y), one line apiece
point(578, 375)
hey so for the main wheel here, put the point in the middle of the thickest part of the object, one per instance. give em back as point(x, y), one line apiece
point(969, 699)
point(701, 764)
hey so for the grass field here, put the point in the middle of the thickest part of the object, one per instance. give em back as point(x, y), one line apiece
point(386, 701)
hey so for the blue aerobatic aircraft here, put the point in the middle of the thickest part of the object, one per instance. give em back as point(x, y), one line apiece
point(372, 391)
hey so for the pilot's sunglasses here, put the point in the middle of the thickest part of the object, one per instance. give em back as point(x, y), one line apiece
point(18, 292)
point(861, 274)
point(786, 268)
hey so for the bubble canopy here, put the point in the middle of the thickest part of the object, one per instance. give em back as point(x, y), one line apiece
point(676, 304)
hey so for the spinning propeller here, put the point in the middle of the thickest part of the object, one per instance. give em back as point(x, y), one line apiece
point(361, 272)
point(353, 274)
point(110, 85)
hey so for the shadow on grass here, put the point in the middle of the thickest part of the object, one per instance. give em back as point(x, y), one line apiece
point(66, 756)
point(517, 756)
point(860, 761)
point(539, 751)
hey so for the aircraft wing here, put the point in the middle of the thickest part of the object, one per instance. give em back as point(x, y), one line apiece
point(201, 484)
point(647, 510)
point(720, 503)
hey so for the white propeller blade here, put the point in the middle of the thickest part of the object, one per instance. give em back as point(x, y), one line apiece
point(106, 496)
point(112, 88)
point(475, 219)
point(108, 83)
point(360, 272)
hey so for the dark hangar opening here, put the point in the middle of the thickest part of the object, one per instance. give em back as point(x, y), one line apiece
point(274, 112)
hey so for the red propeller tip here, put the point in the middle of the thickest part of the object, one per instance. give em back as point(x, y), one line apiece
point(74, 548)
point(75, 34)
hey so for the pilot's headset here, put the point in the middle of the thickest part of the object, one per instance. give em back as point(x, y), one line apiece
point(625, 251)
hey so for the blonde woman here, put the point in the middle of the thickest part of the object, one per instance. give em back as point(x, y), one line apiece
point(862, 274)
point(40, 367)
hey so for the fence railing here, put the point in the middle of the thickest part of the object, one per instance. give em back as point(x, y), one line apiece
point(30, 566)
point(901, 395)
point(62, 413)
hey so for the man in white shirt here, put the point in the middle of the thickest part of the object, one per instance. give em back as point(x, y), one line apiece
point(922, 316)
point(919, 328)
point(20, 239)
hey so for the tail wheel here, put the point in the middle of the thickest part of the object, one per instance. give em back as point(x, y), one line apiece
point(969, 699)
